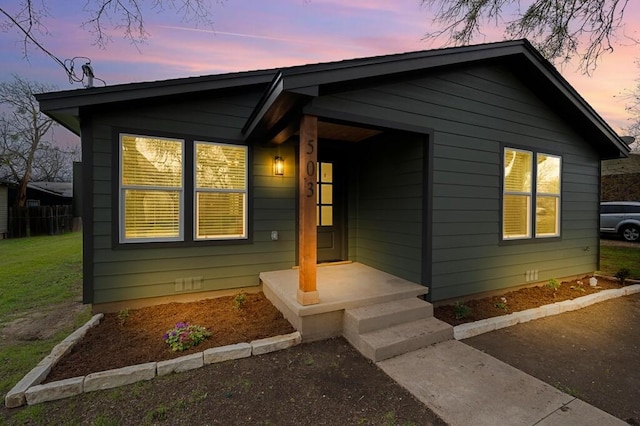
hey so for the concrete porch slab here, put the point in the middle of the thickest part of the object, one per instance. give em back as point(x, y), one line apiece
point(340, 287)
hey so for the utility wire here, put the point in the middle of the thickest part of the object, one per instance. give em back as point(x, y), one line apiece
point(68, 70)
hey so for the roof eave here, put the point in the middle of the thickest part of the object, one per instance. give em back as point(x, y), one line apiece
point(568, 92)
point(64, 106)
point(272, 117)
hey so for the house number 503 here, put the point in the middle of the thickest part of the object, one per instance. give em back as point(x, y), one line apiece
point(310, 181)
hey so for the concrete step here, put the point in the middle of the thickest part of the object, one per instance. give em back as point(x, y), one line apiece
point(369, 318)
point(402, 338)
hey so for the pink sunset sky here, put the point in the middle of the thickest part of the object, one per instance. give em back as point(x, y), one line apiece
point(251, 34)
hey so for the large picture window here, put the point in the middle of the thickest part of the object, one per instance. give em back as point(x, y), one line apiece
point(151, 189)
point(220, 191)
point(531, 195)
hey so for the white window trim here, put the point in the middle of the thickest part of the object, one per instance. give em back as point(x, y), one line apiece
point(245, 192)
point(122, 188)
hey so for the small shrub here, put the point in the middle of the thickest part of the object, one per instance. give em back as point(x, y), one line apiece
point(623, 274)
point(502, 304)
point(184, 336)
point(553, 284)
point(461, 311)
point(123, 314)
point(239, 300)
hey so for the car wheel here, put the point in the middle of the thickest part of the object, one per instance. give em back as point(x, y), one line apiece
point(631, 233)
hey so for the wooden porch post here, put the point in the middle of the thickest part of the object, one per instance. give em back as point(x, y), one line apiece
point(307, 292)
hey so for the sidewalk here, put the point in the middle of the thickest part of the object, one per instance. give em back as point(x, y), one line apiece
point(465, 386)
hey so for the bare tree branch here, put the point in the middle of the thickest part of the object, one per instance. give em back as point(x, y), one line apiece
point(558, 28)
point(104, 17)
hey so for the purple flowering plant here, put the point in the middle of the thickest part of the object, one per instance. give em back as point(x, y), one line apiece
point(184, 336)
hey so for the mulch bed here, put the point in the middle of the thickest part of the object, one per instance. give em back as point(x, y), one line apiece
point(135, 337)
point(522, 299)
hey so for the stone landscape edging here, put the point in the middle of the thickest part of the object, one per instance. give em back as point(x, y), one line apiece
point(30, 391)
point(471, 329)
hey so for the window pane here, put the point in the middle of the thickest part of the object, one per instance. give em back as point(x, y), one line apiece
point(221, 166)
point(220, 214)
point(516, 216)
point(547, 214)
point(220, 190)
point(150, 214)
point(517, 171)
point(548, 174)
point(151, 179)
point(151, 162)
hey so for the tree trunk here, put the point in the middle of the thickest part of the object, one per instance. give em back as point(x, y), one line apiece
point(21, 198)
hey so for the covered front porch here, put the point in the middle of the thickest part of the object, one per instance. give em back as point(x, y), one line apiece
point(379, 313)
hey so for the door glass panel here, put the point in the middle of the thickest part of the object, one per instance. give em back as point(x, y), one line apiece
point(326, 216)
point(326, 170)
point(325, 194)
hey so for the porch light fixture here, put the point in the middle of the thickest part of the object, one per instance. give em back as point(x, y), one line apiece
point(278, 166)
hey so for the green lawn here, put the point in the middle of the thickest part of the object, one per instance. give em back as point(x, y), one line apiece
point(36, 272)
point(39, 271)
point(612, 259)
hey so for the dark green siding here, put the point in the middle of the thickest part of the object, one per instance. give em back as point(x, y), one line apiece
point(138, 271)
point(438, 224)
point(473, 113)
point(386, 195)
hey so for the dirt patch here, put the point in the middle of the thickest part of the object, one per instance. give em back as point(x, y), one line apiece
point(40, 324)
point(520, 300)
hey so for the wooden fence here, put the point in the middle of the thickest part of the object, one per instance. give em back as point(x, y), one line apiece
point(43, 220)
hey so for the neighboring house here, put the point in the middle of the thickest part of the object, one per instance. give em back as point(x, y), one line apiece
point(47, 210)
point(621, 178)
point(466, 170)
point(44, 194)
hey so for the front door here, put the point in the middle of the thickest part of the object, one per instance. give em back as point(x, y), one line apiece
point(331, 213)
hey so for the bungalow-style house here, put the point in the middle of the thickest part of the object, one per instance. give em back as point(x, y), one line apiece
point(464, 170)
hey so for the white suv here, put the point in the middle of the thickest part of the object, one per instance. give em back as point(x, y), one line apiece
point(622, 218)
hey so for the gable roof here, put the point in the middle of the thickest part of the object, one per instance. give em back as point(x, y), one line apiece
point(288, 90)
